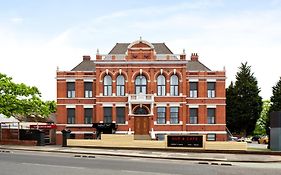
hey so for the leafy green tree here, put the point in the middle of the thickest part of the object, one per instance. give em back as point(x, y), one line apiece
point(275, 102)
point(261, 125)
point(20, 99)
point(244, 104)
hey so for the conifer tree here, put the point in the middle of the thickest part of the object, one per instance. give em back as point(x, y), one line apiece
point(245, 107)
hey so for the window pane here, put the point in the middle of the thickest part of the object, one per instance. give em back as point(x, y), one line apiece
point(88, 115)
point(211, 137)
point(193, 85)
point(107, 114)
point(70, 86)
point(161, 115)
point(174, 115)
point(174, 80)
point(70, 116)
point(120, 114)
point(174, 109)
point(211, 86)
point(161, 80)
point(120, 80)
point(107, 80)
point(88, 86)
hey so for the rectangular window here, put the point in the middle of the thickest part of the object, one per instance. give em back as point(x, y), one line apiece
point(193, 115)
point(174, 90)
point(88, 115)
point(120, 90)
point(70, 89)
point(211, 89)
point(161, 90)
point(70, 116)
point(107, 114)
point(211, 115)
point(193, 89)
point(120, 115)
point(161, 115)
point(88, 89)
point(211, 137)
point(107, 90)
point(174, 115)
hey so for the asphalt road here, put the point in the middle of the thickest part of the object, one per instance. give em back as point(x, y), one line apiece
point(38, 163)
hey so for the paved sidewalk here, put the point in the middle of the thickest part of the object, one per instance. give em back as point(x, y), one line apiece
point(191, 156)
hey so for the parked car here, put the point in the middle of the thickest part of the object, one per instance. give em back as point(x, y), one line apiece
point(256, 138)
point(263, 139)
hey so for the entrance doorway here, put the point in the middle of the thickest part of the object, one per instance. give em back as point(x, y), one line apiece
point(141, 125)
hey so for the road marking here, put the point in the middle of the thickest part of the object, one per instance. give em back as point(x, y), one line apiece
point(56, 166)
point(151, 173)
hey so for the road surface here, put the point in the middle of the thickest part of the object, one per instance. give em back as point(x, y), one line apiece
point(35, 163)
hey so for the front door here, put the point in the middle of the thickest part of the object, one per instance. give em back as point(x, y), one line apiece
point(141, 125)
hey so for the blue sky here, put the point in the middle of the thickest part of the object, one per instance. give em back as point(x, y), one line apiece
point(37, 36)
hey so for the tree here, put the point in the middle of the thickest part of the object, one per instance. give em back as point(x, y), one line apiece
point(244, 104)
point(230, 107)
point(275, 102)
point(261, 125)
point(20, 99)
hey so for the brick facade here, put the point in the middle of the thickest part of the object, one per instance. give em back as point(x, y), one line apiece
point(142, 62)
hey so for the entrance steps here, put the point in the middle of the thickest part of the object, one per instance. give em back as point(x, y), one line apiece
point(142, 137)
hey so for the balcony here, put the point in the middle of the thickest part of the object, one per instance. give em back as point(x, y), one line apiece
point(140, 98)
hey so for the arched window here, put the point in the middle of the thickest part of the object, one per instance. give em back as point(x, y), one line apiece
point(107, 86)
point(140, 84)
point(161, 85)
point(140, 110)
point(174, 85)
point(120, 85)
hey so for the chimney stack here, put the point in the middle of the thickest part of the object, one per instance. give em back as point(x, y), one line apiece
point(183, 56)
point(86, 57)
point(194, 57)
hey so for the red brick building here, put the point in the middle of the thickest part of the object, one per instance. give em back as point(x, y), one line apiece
point(146, 90)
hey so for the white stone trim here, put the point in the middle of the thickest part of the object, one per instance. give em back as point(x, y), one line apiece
point(70, 106)
point(214, 104)
point(77, 104)
point(70, 80)
point(206, 98)
point(161, 104)
point(88, 80)
point(120, 104)
point(205, 124)
point(193, 106)
point(76, 98)
point(211, 80)
point(107, 104)
point(193, 79)
point(174, 104)
point(88, 106)
point(211, 106)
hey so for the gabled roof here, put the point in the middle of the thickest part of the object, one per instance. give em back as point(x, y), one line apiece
point(85, 65)
point(121, 48)
point(196, 66)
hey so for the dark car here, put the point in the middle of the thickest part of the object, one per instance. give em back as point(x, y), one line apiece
point(256, 138)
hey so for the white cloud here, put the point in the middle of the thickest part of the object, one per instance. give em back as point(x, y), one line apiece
point(222, 40)
point(16, 20)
